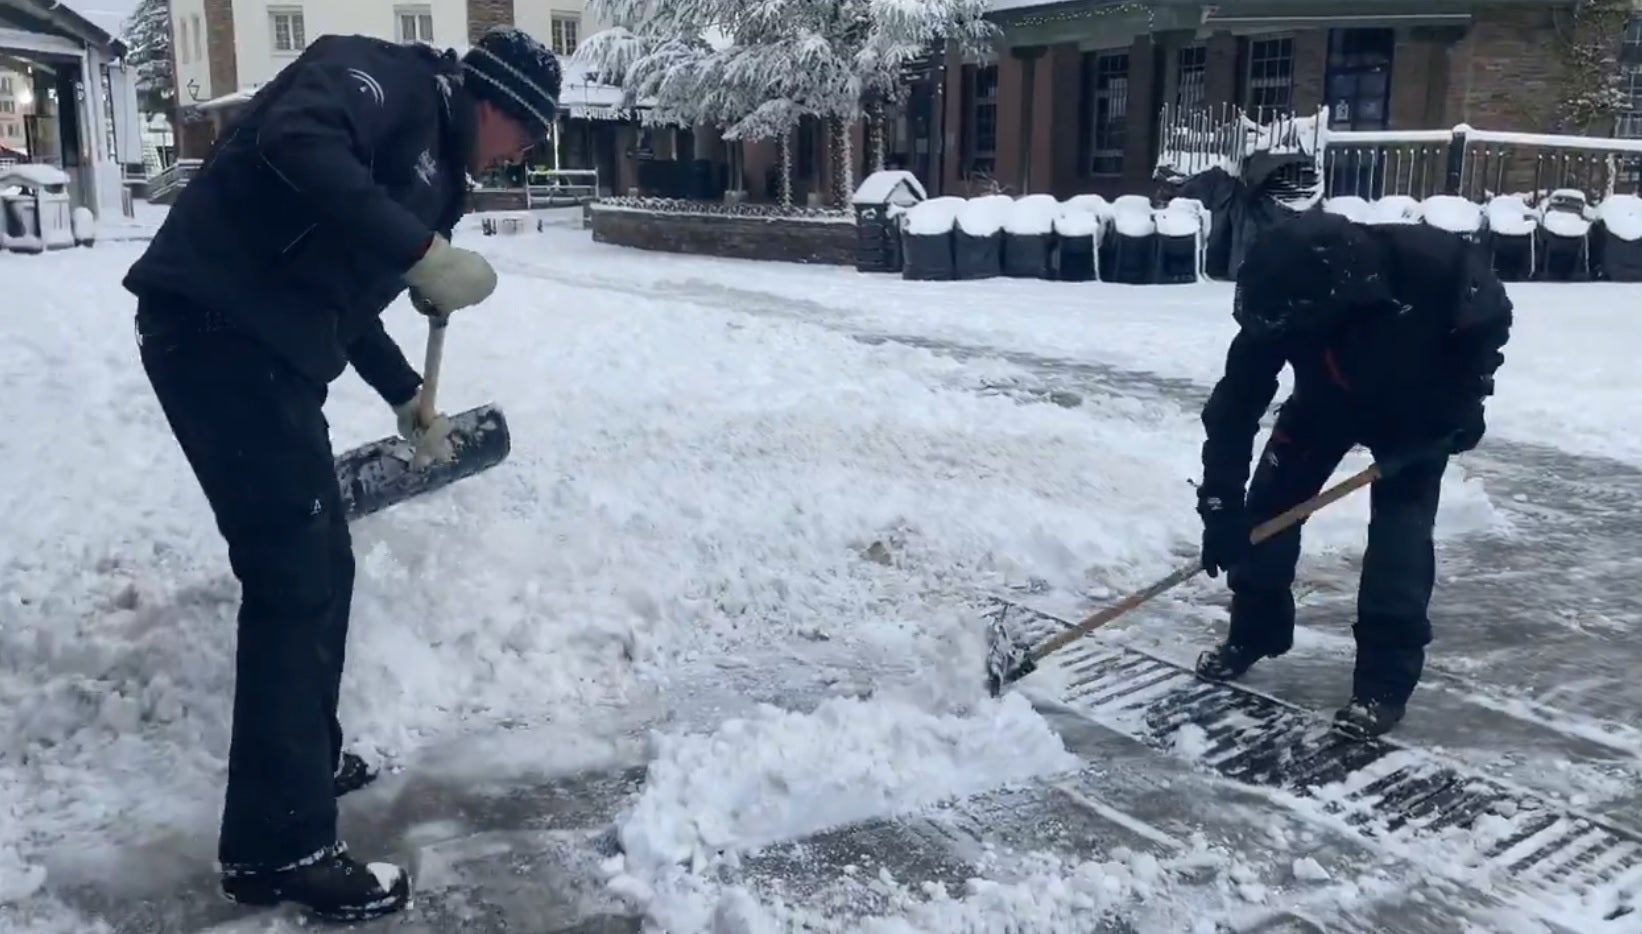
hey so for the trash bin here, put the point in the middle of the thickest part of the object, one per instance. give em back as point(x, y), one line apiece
point(21, 231)
point(927, 239)
point(879, 203)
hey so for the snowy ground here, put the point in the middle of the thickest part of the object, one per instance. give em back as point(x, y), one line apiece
point(720, 607)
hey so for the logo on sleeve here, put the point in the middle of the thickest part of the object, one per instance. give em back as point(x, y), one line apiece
point(368, 85)
point(427, 168)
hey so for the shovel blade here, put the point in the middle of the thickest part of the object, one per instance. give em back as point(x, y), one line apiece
point(382, 473)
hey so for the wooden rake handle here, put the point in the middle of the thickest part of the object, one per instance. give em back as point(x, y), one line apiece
point(1259, 534)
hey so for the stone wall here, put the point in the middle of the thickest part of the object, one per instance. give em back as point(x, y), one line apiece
point(784, 239)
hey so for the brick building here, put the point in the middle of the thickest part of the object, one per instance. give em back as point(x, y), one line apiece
point(224, 50)
point(1072, 103)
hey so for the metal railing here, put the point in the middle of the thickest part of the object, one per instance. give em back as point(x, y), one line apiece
point(165, 184)
point(1464, 161)
point(560, 187)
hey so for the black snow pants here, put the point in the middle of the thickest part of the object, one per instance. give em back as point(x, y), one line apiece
point(1399, 566)
point(254, 433)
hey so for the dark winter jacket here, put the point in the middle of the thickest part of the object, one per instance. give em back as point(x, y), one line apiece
point(306, 214)
point(1408, 339)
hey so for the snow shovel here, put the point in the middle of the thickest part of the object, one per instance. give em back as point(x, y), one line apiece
point(1008, 660)
point(389, 471)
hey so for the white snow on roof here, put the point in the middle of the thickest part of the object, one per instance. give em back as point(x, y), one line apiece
point(879, 186)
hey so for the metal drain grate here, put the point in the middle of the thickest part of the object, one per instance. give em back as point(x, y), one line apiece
point(1383, 789)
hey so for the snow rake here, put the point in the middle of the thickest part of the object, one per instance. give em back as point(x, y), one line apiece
point(389, 471)
point(1009, 659)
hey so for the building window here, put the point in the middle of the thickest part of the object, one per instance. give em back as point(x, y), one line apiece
point(1105, 107)
point(287, 31)
point(1271, 78)
point(5, 85)
point(182, 42)
point(413, 24)
point(8, 106)
point(1191, 77)
point(566, 33)
point(980, 119)
point(198, 56)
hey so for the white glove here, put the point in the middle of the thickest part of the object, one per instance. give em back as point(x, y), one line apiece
point(447, 277)
point(432, 440)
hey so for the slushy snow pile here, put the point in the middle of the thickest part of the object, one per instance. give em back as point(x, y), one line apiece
point(780, 775)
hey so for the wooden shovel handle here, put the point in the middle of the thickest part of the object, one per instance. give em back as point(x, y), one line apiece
point(1259, 534)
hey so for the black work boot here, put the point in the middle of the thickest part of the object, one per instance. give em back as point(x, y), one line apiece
point(352, 774)
point(1227, 661)
point(1382, 681)
point(331, 884)
point(1365, 718)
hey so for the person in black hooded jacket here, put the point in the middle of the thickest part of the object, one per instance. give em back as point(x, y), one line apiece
point(335, 192)
point(1394, 334)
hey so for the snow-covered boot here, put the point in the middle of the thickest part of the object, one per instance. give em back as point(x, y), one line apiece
point(1227, 661)
point(352, 774)
point(1364, 718)
point(331, 884)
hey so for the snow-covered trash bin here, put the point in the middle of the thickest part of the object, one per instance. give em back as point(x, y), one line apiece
point(1029, 237)
point(1077, 244)
point(20, 230)
point(1616, 239)
point(1564, 241)
point(927, 239)
point(978, 242)
point(38, 214)
point(1350, 207)
point(1129, 254)
point(1394, 209)
point(1182, 240)
point(880, 202)
point(1511, 238)
point(56, 219)
point(1454, 214)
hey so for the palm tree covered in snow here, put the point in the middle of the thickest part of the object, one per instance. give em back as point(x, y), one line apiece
point(754, 67)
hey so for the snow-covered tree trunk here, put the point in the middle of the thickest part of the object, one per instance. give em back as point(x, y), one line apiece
point(786, 169)
point(843, 173)
point(876, 128)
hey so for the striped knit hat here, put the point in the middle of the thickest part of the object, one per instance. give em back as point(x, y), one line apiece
point(517, 74)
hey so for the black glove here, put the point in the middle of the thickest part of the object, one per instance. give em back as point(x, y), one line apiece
point(1225, 531)
point(1465, 425)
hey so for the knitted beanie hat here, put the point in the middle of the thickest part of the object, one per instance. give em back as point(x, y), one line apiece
point(517, 74)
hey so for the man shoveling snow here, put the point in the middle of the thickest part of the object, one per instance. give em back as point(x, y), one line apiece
point(338, 189)
point(1394, 334)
